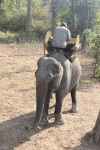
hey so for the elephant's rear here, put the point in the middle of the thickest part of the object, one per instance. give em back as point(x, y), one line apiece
point(76, 73)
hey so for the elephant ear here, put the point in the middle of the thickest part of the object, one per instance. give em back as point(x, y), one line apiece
point(54, 70)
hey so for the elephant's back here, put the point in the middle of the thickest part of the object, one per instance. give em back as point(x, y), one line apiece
point(72, 71)
point(67, 71)
point(59, 57)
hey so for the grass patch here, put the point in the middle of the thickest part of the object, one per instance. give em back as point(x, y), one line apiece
point(9, 37)
point(18, 37)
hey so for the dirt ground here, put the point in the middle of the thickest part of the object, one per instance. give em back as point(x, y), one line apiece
point(18, 104)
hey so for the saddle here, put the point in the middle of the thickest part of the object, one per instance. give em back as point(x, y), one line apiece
point(69, 54)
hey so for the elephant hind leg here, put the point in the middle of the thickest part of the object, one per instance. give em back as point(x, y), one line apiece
point(74, 108)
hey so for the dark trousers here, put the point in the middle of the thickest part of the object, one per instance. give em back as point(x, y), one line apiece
point(68, 47)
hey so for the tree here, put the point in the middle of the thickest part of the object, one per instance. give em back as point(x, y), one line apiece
point(94, 135)
point(28, 20)
point(94, 38)
point(94, 43)
point(49, 17)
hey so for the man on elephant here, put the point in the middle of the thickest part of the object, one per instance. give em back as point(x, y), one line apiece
point(60, 39)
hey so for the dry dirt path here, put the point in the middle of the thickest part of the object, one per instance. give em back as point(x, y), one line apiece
point(18, 104)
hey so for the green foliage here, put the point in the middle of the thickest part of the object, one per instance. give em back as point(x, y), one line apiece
point(17, 22)
point(97, 73)
point(38, 12)
point(4, 19)
point(39, 26)
point(14, 20)
point(2, 12)
point(79, 15)
point(62, 15)
point(94, 43)
point(1, 1)
point(9, 37)
point(11, 22)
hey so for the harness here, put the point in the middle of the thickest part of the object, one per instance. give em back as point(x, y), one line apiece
point(70, 57)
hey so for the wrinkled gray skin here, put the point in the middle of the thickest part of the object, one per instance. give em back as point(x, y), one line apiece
point(55, 74)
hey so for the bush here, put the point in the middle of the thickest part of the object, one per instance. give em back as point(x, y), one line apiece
point(18, 22)
point(12, 22)
point(3, 19)
point(38, 13)
point(39, 24)
point(94, 39)
point(39, 27)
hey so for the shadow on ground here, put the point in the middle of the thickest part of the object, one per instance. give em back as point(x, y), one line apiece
point(83, 146)
point(14, 133)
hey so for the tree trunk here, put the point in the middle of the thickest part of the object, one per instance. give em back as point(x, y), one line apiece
point(53, 6)
point(94, 135)
point(88, 18)
point(3, 4)
point(86, 22)
point(28, 19)
point(1, 1)
point(20, 4)
point(49, 17)
point(73, 14)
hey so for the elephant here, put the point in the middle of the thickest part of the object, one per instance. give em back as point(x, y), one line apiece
point(55, 74)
